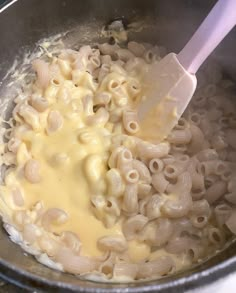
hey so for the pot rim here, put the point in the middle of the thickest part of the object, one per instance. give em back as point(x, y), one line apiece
point(6, 4)
point(30, 281)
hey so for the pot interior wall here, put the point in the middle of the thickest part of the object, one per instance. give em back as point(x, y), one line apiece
point(171, 24)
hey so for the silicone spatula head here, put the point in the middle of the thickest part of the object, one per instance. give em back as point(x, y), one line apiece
point(171, 82)
point(169, 88)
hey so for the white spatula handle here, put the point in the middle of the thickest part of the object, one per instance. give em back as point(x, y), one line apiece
point(220, 20)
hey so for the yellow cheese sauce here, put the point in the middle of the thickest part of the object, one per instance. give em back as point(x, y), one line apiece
point(138, 251)
point(62, 157)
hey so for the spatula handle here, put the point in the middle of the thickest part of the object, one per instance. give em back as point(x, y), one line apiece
point(218, 23)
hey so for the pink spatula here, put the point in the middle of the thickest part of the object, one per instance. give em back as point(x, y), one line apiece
point(171, 82)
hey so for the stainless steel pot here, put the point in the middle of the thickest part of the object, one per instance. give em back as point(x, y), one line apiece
point(22, 24)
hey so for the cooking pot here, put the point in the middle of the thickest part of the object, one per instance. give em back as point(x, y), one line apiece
point(167, 22)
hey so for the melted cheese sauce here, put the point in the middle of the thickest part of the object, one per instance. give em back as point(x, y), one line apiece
point(63, 184)
point(138, 251)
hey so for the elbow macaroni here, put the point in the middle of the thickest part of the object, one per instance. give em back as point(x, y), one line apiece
point(86, 190)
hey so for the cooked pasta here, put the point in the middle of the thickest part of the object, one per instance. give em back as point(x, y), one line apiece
point(87, 193)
